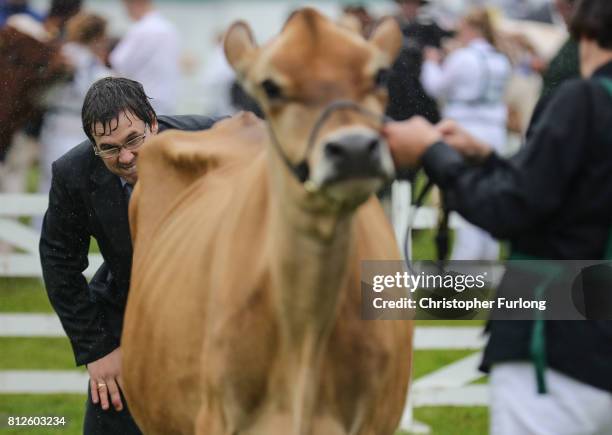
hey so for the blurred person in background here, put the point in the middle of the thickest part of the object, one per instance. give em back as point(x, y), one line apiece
point(62, 128)
point(525, 83)
point(553, 200)
point(150, 54)
point(12, 7)
point(363, 18)
point(216, 81)
point(472, 82)
point(406, 95)
point(59, 13)
point(565, 65)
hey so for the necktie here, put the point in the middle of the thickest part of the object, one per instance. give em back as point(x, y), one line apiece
point(127, 189)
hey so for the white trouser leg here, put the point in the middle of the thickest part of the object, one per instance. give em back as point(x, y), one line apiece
point(472, 243)
point(569, 408)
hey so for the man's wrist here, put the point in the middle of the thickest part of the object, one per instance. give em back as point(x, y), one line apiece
point(96, 352)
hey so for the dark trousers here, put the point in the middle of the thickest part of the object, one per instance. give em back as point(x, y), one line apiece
point(109, 422)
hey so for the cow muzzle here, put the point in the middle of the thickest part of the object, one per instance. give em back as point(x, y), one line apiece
point(356, 161)
point(355, 157)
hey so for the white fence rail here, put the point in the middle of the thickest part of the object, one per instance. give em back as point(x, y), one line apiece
point(19, 241)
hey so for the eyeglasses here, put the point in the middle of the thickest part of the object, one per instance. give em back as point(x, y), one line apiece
point(110, 151)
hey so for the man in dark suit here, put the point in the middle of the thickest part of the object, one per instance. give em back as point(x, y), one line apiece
point(90, 190)
point(552, 201)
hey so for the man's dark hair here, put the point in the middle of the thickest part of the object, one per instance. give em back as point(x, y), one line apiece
point(593, 19)
point(107, 98)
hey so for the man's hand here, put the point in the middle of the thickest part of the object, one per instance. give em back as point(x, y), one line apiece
point(408, 140)
point(466, 144)
point(105, 380)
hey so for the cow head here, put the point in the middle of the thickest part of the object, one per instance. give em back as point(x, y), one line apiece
point(322, 88)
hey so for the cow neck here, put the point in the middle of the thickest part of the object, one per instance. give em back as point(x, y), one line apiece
point(309, 268)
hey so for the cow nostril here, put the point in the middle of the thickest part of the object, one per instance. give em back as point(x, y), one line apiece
point(373, 146)
point(334, 150)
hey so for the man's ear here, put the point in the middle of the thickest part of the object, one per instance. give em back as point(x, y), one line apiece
point(154, 127)
point(239, 46)
point(388, 38)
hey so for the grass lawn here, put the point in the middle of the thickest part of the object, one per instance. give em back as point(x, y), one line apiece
point(69, 406)
point(442, 420)
point(20, 353)
point(23, 295)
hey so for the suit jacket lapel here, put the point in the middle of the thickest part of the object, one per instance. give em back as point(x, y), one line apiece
point(110, 206)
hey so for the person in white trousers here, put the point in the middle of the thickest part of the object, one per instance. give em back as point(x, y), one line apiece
point(471, 82)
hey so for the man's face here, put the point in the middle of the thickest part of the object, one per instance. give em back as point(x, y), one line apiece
point(127, 127)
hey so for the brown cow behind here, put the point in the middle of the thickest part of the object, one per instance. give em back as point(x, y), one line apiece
point(28, 66)
point(244, 314)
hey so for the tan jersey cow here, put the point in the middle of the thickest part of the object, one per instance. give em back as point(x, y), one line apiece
point(244, 310)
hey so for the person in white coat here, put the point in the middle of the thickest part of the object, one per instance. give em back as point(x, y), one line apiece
point(62, 127)
point(472, 82)
point(150, 54)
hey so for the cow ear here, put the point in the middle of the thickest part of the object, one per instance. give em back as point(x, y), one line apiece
point(388, 38)
point(239, 44)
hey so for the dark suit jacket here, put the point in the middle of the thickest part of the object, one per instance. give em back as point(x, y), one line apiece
point(86, 200)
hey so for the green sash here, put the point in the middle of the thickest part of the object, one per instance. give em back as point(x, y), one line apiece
point(549, 271)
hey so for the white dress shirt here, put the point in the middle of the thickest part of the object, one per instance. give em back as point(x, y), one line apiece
point(149, 53)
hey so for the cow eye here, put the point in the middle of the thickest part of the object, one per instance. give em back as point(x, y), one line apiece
point(381, 80)
point(272, 90)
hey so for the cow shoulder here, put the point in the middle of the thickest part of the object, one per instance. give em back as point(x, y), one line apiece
point(171, 162)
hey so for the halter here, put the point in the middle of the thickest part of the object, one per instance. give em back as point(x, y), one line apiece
point(301, 170)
